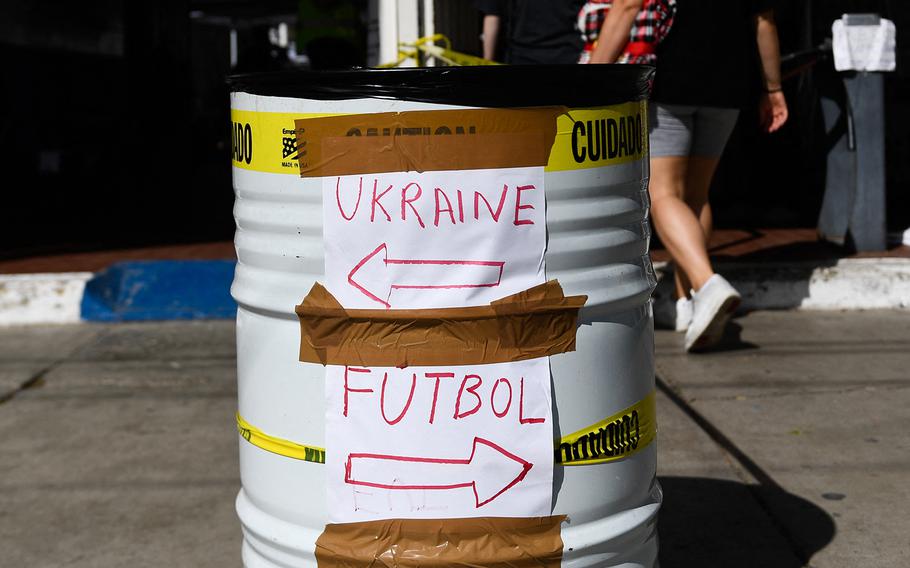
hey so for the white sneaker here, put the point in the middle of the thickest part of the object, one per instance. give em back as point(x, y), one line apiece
point(683, 314)
point(712, 307)
point(672, 315)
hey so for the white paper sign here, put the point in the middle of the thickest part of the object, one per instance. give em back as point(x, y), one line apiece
point(433, 239)
point(439, 442)
point(864, 48)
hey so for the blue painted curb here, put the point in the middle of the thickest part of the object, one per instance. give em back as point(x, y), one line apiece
point(161, 290)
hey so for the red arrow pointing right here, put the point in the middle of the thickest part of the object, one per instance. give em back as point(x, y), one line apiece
point(490, 471)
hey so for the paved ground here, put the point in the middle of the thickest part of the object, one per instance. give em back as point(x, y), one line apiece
point(122, 452)
point(811, 411)
point(786, 449)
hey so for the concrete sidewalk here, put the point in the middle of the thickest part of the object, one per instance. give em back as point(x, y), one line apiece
point(118, 445)
point(122, 450)
point(810, 411)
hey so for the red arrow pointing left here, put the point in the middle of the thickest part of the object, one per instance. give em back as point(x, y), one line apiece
point(376, 275)
point(490, 471)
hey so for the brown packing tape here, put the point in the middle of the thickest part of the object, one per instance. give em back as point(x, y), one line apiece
point(493, 542)
point(426, 141)
point(535, 323)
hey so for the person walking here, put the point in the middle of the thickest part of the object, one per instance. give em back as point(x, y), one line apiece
point(704, 77)
point(703, 81)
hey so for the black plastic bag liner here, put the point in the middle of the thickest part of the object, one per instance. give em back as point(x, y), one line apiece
point(483, 86)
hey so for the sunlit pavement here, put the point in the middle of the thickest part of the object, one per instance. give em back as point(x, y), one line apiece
point(785, 448)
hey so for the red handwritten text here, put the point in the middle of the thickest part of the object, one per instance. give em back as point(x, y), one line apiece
point(464, 394)
point(420, 206)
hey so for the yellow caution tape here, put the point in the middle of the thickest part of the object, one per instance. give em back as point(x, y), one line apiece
point(625, 433)
point(266, 141)
point(454, 58)
point(585, 138)
point(278, 446)
point(445, 55)
point(603, 136)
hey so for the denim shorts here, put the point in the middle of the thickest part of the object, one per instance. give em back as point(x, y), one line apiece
point(682, 130)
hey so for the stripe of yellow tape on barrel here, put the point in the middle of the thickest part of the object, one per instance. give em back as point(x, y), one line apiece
point(278, 446)
point(619, 436)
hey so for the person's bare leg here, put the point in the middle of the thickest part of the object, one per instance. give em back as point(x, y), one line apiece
point(675, 222)
point(699, 173)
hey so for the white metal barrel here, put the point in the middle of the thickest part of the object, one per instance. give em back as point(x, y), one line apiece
point(597, 245)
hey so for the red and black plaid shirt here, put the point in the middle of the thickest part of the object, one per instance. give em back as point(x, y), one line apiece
point(651, 25)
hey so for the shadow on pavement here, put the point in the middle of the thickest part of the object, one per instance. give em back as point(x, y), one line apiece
point(732, 340)
point(712, 522)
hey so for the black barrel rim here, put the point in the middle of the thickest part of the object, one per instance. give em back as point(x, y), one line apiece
point(487, 86)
